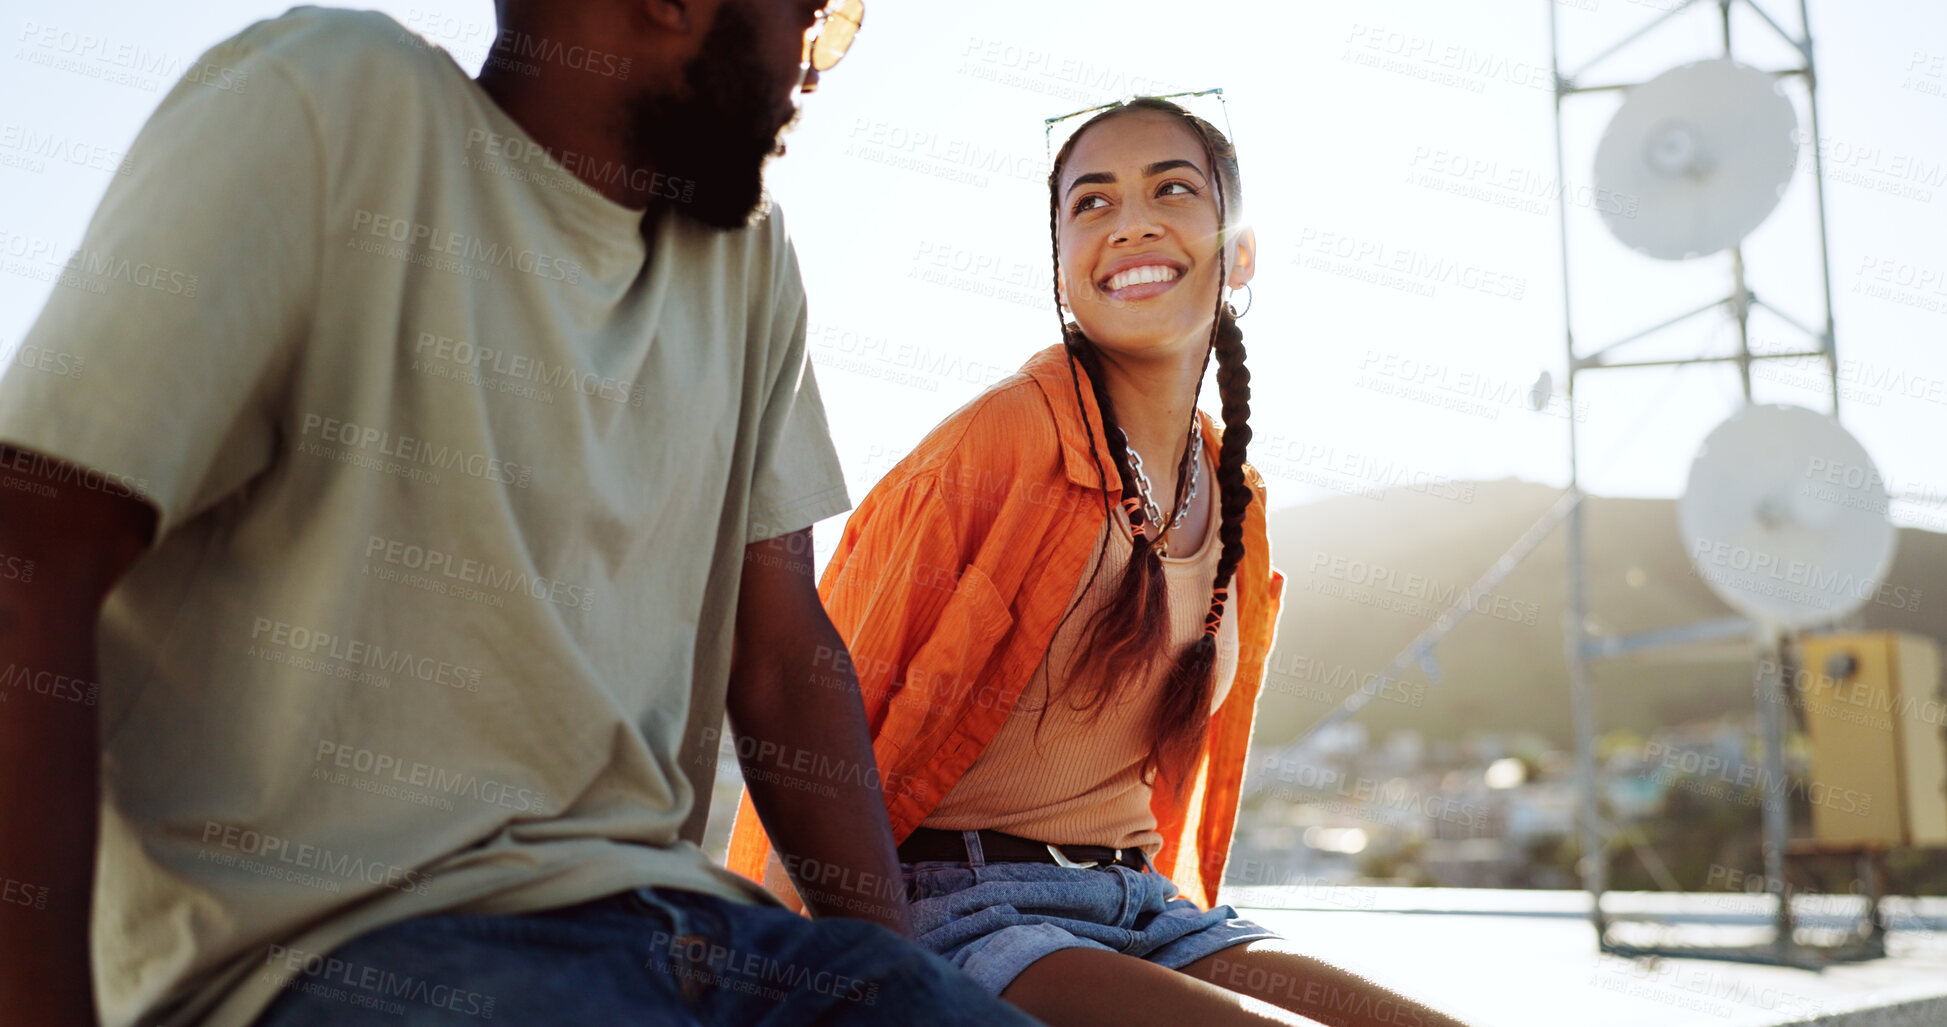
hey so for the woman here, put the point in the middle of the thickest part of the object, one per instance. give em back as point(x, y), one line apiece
point(1059, 608)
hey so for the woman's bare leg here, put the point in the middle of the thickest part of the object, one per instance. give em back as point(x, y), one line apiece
point(1276, 972)
point(1091, 987)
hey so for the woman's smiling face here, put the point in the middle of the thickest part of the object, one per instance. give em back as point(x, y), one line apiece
point(1136, 225)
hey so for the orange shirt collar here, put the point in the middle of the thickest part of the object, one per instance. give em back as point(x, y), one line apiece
point(1049, 369)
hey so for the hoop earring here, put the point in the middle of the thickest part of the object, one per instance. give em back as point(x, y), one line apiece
point(1249, 298)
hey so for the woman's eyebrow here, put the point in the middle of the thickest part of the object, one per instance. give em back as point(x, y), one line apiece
point(1108, 177)
point(1170, 165)
point(1092, 178)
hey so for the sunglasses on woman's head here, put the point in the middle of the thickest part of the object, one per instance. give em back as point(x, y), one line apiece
point(831, 35)
point(1217, 91)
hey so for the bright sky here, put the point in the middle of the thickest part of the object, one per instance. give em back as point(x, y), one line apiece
point(1412, 133)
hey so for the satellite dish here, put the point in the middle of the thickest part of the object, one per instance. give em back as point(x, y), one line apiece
point(1705, 149)
point(1784, 517)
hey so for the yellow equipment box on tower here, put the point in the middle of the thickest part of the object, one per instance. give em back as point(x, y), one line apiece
point(1876, 718)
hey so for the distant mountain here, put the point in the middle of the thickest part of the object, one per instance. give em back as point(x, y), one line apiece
point(1365, 574)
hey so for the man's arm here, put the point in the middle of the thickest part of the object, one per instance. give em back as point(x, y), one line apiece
point(803, 744)
point(60, 553)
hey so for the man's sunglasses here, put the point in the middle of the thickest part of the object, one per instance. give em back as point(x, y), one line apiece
point(832, 34)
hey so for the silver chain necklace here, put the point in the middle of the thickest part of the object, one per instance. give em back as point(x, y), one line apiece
point(1150, 508)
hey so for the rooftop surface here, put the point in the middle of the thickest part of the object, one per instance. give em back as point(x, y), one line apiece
point(1529, 958)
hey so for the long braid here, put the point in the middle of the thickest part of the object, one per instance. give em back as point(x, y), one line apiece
point(1141, 599)
point(1234, 389)
point(1182, 716)
point(1054, 246)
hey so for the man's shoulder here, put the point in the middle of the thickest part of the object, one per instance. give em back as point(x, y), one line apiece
point(336, 54)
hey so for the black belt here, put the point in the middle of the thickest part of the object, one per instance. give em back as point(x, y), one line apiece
point(926, 843)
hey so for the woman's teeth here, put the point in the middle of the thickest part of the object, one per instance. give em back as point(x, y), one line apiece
point(1142, 276)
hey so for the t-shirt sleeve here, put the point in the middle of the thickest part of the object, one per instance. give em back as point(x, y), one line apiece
point(797, 481)
point(157, 364)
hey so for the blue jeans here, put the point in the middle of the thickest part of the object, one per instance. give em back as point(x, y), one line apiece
point(652, 956)
point(993, 920)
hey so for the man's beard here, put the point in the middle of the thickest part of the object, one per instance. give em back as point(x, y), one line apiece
point(711, 146)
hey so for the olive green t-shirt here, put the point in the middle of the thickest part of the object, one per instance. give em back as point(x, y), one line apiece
point(455, 474)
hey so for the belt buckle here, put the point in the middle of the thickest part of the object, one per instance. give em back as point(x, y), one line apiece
point(1063, 860)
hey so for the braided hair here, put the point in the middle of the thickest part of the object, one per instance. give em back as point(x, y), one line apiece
point(1129, 634)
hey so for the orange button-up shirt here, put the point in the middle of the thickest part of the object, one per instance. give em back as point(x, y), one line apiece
point(947, 587)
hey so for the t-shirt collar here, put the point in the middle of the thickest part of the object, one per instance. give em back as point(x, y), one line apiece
point(578, 205)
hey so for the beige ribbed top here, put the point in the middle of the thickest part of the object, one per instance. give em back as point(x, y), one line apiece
point(1079, 782)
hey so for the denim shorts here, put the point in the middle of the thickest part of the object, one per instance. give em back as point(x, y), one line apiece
point(646, 958)
point(993, 919)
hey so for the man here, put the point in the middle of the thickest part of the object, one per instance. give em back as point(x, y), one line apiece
point(372, 582)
